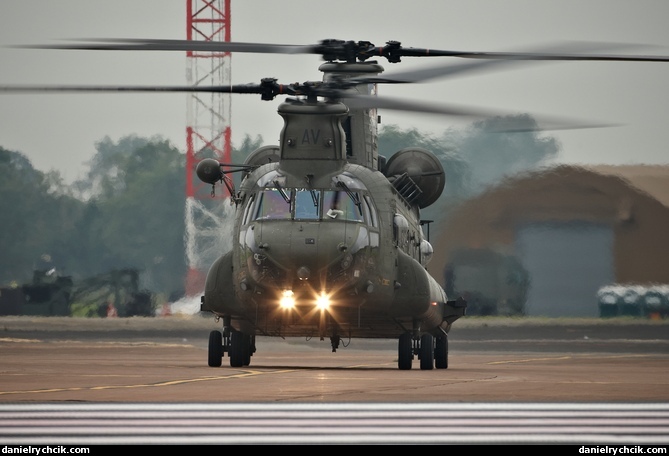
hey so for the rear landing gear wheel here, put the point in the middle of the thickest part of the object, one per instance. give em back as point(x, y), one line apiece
point(215, 349)
point(427, 352)
point(441, 352)
point(405, 352)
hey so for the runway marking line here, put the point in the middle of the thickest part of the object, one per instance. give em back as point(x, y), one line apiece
point(99, 343)
point(530, 360)
point(250, 373)
point(564, 358)
point(9, 339)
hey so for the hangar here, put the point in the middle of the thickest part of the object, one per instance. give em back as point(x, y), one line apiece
point(543, 243)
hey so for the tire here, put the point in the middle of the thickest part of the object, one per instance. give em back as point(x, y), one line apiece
point(427, 352)
point(215, 349)
point(441, 352)
point(247, 350)
point(404, 352)
point(237, 352)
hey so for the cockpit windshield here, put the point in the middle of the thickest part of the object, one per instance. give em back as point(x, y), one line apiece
point(341, 205)
point(272, 205)
point(308, 204)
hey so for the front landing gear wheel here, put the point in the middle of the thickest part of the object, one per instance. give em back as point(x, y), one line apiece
point(405, 352)
point(215, 349)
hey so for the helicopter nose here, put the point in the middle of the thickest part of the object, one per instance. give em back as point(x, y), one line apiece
point(303, 273)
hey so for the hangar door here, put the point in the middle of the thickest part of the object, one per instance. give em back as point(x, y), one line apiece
point(567, 264)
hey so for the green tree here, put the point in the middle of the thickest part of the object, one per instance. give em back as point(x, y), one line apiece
point(38, 214)
point(247, 146)
point(499, 147)
point(138, 217)
point(107, 164)
point(19, 183)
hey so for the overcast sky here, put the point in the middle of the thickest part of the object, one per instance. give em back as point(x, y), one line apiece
point(60, 130)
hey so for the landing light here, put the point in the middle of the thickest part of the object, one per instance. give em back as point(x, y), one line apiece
point(323, 301)
point(287, 300)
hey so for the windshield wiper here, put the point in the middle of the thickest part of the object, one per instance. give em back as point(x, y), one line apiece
point(351, 194)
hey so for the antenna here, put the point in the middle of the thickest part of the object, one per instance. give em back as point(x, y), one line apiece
point(208, 125)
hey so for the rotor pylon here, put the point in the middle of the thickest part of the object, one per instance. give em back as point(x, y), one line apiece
point(208, 131)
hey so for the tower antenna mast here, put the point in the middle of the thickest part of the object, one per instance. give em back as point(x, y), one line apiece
point(208, 131)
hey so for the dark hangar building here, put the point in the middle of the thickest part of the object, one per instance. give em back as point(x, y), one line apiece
point(544, 243)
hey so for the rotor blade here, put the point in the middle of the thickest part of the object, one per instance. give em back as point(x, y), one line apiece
point(500, 60)
point(131, 44)
point(329, 50)
point(268, 89)
point(247, 88)
point(547, 122)
point(557, 56)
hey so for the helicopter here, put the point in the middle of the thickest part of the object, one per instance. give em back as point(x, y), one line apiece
point(328, 238)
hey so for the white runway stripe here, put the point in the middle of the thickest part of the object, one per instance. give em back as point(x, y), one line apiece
point(91, 424)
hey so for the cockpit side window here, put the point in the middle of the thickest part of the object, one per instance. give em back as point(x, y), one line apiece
point(272, 205)
point(247, 209)
point(370, 212)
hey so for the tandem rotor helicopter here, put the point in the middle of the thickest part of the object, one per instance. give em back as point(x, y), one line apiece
point(328, 238)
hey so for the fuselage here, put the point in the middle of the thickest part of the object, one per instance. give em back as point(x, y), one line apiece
point(341, 254)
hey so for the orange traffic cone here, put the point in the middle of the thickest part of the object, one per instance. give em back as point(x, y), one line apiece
point(167, 310)
point(111, 310)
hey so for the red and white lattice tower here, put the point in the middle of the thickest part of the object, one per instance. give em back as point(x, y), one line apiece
point(208, 133)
